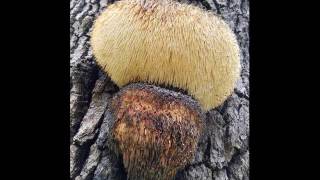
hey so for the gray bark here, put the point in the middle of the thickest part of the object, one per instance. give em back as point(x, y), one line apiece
point(222, 153)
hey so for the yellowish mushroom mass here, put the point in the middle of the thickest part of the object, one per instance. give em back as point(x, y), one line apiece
point(166, 42)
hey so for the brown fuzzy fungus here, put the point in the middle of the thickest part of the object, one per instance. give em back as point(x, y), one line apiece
point(156, 130)
point(167, 42)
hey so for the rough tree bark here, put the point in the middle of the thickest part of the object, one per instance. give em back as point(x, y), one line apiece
point(222, 153)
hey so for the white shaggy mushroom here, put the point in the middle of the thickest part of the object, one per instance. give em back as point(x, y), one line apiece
point(166, 42)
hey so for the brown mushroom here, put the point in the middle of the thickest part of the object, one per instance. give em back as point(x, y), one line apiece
point(156, 130)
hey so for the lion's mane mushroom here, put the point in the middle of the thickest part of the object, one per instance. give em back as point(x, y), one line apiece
point(162, 42)
point(166, 42)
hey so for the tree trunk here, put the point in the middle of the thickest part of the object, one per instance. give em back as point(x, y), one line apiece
point(222, 152)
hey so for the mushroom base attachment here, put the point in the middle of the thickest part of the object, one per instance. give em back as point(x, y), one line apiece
point(156, 130)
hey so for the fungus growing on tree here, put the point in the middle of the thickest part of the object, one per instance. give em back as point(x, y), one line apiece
point(143, 45)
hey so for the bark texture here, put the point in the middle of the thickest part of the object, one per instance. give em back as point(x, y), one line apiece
point(222, 153)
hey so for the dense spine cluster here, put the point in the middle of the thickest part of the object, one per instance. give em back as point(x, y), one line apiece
point(167, 42)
